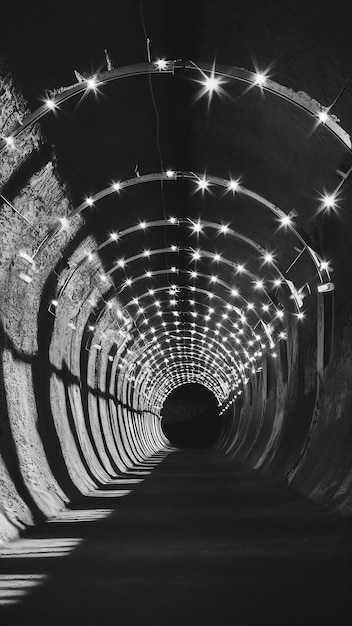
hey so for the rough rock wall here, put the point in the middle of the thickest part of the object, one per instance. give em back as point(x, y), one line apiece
point(298, 428)
point(62, 428)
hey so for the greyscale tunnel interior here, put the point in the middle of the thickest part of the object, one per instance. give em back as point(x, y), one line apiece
point(175, 313)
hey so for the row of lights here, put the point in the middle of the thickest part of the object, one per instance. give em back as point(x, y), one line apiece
point(212, 84)
point(208, 355)
point(268, 259)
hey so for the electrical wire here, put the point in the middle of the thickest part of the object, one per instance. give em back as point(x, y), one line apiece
point(157, 116)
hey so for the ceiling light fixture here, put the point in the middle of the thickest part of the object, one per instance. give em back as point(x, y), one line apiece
point(202, 184)
point(92, 83)
point(323, 116)
point(10, 142)
point(64, 222)
point(286, 220)
point(50, 103)
point(329, 201)
point(161, 64)
point(259, 79)
point(233, 185)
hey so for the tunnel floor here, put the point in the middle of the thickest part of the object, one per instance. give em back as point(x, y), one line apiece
point(189, 537)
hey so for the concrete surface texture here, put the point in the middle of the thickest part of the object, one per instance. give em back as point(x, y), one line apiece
point(175, 210)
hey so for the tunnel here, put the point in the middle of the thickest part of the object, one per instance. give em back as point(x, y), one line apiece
point(175, 313)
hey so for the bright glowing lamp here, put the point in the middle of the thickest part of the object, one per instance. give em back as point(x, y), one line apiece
point(50, 104)
point(10, 142)
point(259, 79)
point(329, 201)
point(323, 116)
point(197, 228)
point(64, 222)
point(92, 83)
point(161, 64)
point(202, 184)
point(211, 84)
point(233, 185)
point(268, 257)
point(286, 220)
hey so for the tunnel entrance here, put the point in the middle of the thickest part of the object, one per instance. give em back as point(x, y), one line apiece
point(190, 417)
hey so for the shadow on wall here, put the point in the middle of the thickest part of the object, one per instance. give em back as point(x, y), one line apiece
point(190, 417)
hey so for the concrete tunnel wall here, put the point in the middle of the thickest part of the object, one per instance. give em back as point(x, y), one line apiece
point(64, 430)
point(69, 421)
point(294, 420)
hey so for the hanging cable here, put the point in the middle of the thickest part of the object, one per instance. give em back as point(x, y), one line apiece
point(341, 91)
point(157, 116)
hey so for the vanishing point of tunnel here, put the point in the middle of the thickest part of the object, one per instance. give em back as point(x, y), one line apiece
point(176, 313)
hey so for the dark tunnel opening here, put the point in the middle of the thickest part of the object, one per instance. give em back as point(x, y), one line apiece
point(190, 417)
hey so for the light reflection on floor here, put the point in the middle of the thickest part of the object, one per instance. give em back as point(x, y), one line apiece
point(110, 493)
point(124, 481)
point(81, 515)
point(38, 548)
point(15, 586)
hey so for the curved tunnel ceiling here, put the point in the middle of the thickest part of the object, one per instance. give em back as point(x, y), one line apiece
point(203, 272)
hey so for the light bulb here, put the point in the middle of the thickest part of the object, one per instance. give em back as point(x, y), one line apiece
point(323, 117)
point(329, 201)
point(233, 185)
point(202, 184)
point(259, 79)
point(286, 220)
point(50, 104)
point(64, 222)
point(10, 142)
point(91, 83)
point(161, 64)
point(211, 84)
point(268, 257)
